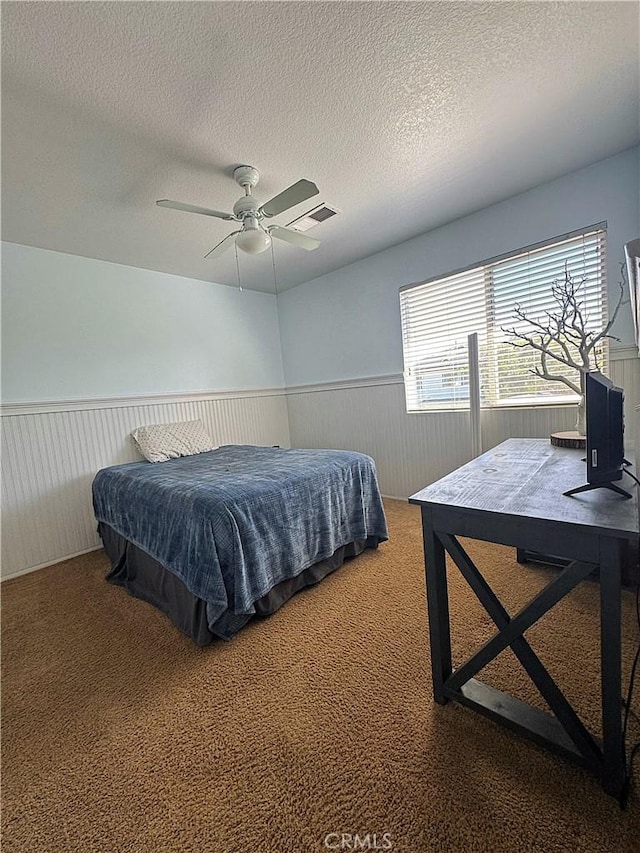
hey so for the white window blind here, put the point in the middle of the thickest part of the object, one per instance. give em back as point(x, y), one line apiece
point(437, 316)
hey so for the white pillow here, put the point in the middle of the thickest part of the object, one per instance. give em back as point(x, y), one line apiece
point(159, 442)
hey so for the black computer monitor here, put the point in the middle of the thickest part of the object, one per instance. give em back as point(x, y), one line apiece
point(605, 435)
point(605, 429)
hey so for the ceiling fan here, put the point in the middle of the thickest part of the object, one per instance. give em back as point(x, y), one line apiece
point(253, 237)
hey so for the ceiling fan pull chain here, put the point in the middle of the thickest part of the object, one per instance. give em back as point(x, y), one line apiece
point(238, 269)
point(273, 264)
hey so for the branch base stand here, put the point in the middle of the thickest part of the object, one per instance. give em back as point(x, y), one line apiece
point(570, 438)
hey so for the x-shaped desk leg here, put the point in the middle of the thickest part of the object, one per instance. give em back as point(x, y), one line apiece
point(565, 733)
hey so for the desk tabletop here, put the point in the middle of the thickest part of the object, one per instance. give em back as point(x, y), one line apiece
point(526, 477)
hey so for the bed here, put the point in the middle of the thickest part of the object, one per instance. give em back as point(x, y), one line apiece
point(215, 538)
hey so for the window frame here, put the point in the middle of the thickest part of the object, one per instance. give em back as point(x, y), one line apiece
point(548, 402)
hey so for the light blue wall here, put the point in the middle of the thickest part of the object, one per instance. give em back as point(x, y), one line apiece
point(74, 327)
point(346, 325)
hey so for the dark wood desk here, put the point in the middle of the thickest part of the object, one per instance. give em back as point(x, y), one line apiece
point(513, 495)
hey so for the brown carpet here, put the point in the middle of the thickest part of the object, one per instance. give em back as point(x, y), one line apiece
point(120, 735)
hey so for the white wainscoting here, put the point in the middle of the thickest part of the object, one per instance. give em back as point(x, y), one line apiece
point(410, 450)
point(413, 450)
point(50, 453)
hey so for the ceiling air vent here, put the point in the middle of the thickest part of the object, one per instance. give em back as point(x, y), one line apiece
point(313, 217)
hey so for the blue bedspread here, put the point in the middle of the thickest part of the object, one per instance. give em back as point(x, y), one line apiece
point(234, 522)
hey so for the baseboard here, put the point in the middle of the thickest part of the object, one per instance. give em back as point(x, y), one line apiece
point(30, 569)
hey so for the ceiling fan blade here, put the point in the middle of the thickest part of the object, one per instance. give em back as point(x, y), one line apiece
point(294, 237)
point(300, 191)
point(223, 245)
point(193, 208)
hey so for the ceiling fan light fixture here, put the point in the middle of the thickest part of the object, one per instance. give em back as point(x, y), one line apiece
point(253, 240)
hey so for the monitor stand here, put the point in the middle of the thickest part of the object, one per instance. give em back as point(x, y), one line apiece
point(590, 486)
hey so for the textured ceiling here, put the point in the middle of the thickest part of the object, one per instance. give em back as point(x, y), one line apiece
point(406, 115)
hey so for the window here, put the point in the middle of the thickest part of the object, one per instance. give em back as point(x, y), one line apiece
point(437, 316)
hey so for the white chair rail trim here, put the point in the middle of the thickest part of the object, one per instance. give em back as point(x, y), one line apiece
point(91, 403)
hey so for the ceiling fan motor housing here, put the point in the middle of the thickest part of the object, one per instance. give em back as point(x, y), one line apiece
point(246, 206)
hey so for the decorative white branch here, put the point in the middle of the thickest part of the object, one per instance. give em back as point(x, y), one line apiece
point(565, 329)
point(543, 373)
